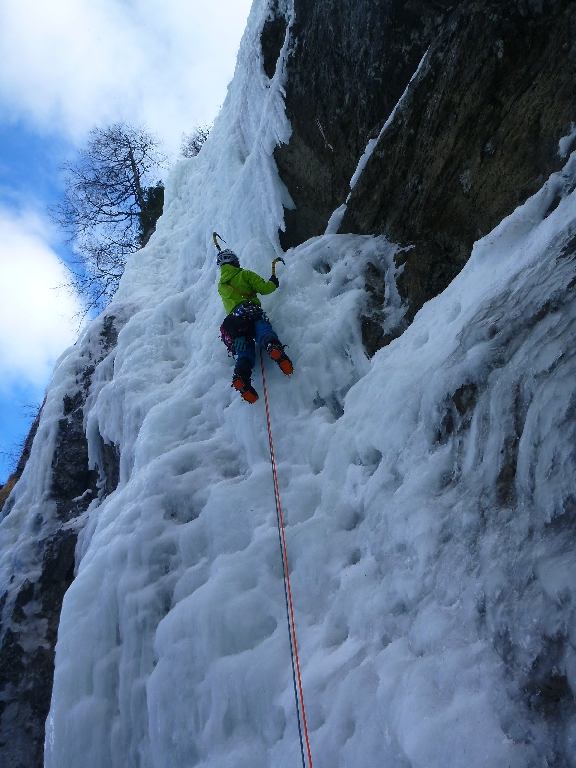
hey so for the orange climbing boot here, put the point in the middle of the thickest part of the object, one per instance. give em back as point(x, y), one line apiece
point(244, 385)
point(276, 352)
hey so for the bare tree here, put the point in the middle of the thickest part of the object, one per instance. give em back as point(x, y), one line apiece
point(192, 142)
point(110, 207)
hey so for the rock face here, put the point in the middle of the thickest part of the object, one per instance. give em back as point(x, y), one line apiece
point(352, 60)
point(475, 136)
point(30, 613)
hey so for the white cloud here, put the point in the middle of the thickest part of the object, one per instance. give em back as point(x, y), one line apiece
point(36, 315)
point(70, 64)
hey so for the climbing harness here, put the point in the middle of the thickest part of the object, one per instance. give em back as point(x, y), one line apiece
point(241, 322)
point(298, 692)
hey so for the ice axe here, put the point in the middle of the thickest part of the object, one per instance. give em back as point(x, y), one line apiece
point(275, 262)
point(216, 243)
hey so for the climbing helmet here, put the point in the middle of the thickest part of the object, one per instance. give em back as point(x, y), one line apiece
point(226, 257)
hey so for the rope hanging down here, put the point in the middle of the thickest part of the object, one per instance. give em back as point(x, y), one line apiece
point(298, 692)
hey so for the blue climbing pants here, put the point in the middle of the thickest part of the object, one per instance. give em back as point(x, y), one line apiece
point(263, 334)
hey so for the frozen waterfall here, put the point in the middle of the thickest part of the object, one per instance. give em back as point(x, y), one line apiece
point(428, 493)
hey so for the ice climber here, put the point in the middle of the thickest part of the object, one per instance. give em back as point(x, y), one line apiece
point(246, 324)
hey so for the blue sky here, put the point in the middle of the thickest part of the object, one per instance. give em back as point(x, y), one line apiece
point(66, 67)
point(29, 181)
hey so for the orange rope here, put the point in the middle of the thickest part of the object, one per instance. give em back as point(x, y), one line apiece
point(288, 590)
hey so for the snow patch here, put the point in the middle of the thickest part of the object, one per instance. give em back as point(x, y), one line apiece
point(566, 142)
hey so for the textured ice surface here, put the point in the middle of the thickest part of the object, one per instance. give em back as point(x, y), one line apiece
point(428, 494)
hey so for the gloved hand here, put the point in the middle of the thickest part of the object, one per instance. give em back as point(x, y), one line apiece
point(274, 280)
point(239, 343)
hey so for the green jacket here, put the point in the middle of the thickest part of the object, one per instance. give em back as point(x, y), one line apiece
point(246, 283)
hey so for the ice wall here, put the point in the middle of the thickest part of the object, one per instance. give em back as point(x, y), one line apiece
point(428, 493)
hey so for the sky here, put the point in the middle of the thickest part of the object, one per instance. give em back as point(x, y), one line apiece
point(66, 67)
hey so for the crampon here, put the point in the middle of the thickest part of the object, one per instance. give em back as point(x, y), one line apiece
point(244, 386)
point(276, 352)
